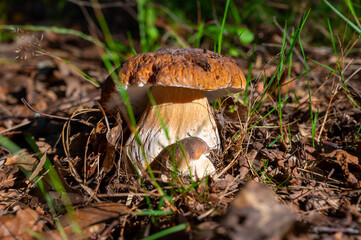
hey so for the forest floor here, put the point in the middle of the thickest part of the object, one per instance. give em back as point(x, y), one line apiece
point(286, 171)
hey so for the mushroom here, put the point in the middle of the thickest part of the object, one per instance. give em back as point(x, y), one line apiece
point(188, 157)
point(182, 82)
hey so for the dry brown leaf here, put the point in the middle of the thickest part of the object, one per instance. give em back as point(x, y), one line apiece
point(9, 196)
point(343, 162)
point(17, 226)
point(91, 220)
point(23, 160)
point(38, 168)
point(113, 137)
point(342, 156)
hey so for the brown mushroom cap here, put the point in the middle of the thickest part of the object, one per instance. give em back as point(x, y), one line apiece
point(191, 68)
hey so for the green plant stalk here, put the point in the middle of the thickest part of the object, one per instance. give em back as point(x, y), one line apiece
point(345, 87)
point(351, 24)
point(280, 185)
point(292, 46)
point(152, 213)
point(332, 39)
point(289, 135)
point(353, 12)
point(295, 95)
point(357, 133)
point(167, 231)
point(83, 74)
point(274, 141)
point(103, 24)
point(220, 37)
point(80, 72)
point(323, 65)
point(267, 114)
point(199, 34)
point(262, 172)
point(282, 53)
point(235, 13)
point(14, 149)
point(54, 177)
point(284, 43)
point(314, 122)
point(34, 234)
point(131, 43)
point(264, 81)
point(248, 79)
point(141, 20)
point(309, 94)
point(55, 30)
point(105, 29)
point(290, 61)
point(9, 145)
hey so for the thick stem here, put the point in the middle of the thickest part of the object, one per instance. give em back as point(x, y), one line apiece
point(185, 112)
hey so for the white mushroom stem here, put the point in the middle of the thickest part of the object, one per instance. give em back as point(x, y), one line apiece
point(185, 112)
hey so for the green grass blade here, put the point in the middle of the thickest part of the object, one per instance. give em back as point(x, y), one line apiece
point(292, 46)
point(54, 177)
point(199, 34)
point(357, 133)
point(14, 149)
point(323, 65)
point(267, 114)
point(280, 73)
point(353, 12)
point(274, 141)
point(153, 213)
point(248, 79)
point(82, 74)
point(309, 93)
point(10, 145)
point(351, 24)
point(55, 30)
point(220, 37)
point(332, 39)
point(167, 231)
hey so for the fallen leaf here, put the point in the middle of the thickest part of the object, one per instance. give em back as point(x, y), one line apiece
point(18, 226)
point(89, 220)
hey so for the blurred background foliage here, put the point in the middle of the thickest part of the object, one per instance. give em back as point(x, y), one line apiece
point(146, 25)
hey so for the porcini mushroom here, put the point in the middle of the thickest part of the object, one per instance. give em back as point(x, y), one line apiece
point(188, 157)
point(182, 82)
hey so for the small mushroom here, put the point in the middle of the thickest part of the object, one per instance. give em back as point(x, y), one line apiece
point(189, 157)
point(182, 82)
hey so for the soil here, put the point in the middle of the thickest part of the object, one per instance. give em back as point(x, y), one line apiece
point(278, 177)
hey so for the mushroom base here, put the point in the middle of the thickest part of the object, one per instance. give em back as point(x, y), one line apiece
point(184, 112)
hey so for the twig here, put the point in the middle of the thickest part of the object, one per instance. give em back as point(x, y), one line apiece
point(26, 122)
point(127, 194)
point(321, 229)
point(53, 116)
point(103, 5)
point(105, 116)
point(85, 12)
point(206, 214)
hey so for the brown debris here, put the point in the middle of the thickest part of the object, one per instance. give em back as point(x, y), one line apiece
point(17, 226)
point(89, 221)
